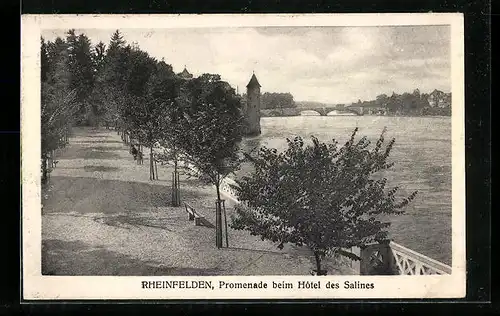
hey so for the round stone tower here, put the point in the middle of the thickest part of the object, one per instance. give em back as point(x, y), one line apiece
point(253, 107)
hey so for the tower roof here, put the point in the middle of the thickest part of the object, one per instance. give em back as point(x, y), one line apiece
point(253, 82)
point(185, 73)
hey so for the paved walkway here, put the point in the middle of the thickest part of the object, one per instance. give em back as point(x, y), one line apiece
point(103, 216)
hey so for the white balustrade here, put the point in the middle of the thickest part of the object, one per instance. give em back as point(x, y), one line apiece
point(410, 262)
point(392, 258)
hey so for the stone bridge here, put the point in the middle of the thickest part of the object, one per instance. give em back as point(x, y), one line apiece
point(323, 111)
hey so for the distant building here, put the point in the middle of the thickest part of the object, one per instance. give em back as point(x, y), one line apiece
point(439, 99)
point(368, 108)
point(251, 107)
point(185, 74)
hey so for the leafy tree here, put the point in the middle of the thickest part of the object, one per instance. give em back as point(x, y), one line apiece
point(143, 115)
point(99, 55)
point(323, 196)
point(82, 69)
point(111, 80)
point(213, 128)
point(44, 60)
point(164, 90)
point(277, 101)
point(382, 100)
point(57, 100)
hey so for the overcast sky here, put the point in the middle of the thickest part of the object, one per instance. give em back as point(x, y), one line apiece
point(325, 64)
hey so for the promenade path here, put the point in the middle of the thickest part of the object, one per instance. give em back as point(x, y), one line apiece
point(103, 216)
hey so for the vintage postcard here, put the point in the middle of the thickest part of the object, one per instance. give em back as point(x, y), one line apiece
point(310, 156)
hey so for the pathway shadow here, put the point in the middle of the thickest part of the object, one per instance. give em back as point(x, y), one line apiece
point(81, 152)
point(106, 148)
point(256, 250)
point(61, 257)
point(136, 221)
point(99, 168)
point(99, 155)
point(93, 195)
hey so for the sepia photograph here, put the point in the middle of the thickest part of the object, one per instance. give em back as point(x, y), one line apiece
point(309, 156)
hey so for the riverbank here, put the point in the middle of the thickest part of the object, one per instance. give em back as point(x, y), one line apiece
point(103, 216)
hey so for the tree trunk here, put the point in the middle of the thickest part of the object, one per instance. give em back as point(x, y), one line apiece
point(218, 218)
point(318, 257)
point(217, 187)
point(176, 200)
point(156, 170)
point(151, 170)
point(175, 164)
point(225, 223)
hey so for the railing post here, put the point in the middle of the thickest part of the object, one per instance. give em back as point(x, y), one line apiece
point(364, 265)
point(385, 251)
point(356, 264)
point(391, 264)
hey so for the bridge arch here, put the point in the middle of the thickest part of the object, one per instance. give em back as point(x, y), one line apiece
point(325, 110)
point(340, 112)
point(310, 113)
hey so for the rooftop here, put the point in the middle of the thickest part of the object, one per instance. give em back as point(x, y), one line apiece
point(185, 73)
point(253, 82)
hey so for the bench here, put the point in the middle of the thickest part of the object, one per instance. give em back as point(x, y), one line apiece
point(193, 215)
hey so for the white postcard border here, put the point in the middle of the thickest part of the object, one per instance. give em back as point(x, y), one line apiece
point(38, 287)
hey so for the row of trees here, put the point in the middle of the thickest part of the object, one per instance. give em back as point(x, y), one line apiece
point(320, 195)
point(58, 101)
point(416, 103)
point(274, 100)
point(198, 121)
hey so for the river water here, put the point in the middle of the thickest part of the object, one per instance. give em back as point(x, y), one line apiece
point(422, 157)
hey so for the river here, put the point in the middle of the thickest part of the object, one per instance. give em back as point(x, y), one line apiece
point(422, 157)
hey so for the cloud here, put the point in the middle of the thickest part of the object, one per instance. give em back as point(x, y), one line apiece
point(327, 64)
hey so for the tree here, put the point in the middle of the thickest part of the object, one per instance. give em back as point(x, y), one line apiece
point(82, 69)
point(394, 103)
point(381, 100)
point(99, 55)
point(277, 101)
point(165, 90)
point(111, 80)
point(143, 115)
point(322, 196)
point(44, 60)
point(57, 100)
point(213, 122)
